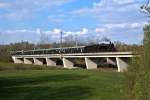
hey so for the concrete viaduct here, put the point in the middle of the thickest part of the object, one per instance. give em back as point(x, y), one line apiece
point(120, 59)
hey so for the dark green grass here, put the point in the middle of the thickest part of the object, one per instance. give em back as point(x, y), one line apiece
point(17, 67)
point(17, 83)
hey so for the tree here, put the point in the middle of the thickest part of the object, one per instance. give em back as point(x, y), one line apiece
point(137, 78)
point(69, 41)
point(123, 47)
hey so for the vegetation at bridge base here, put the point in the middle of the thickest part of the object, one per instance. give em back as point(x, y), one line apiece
point(137, 78)
point(4, 66)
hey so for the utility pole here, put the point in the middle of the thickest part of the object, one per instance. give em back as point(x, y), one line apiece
point(76, 40)
point(61, 33)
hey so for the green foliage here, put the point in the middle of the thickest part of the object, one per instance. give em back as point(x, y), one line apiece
point(146, 54)
point(122, 47)
point(4, 53)
point(137, 83)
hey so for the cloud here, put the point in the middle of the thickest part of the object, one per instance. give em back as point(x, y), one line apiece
point(100, 30)
point(22, 9)
point(15, 32)
point(125, 25)
point(56, 32)
point(4, 5)
point(35, 35)
point(84, 31)
point(120, 26)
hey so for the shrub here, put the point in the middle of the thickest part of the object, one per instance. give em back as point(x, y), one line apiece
point(137, 78)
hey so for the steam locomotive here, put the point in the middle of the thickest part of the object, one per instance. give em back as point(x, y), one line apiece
point(101, 47)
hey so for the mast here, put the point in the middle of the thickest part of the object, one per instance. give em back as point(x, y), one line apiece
point(76, 40)
point(61, 33)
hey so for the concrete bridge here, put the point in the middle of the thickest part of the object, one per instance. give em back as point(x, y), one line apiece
point(119, 59)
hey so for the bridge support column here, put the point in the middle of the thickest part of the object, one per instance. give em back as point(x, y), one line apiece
point(50, 62)
point(17, 60)
point(38, 61)
point(28, 60)
point(111, 61)
point(90, 64)
point(67, 63)
point(122, 64)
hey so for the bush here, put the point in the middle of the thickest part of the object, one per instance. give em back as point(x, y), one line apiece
point(137, 81)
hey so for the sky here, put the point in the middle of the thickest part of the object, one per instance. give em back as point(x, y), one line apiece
point(87, 20)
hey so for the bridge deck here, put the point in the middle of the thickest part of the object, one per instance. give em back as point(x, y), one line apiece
point(80, 55)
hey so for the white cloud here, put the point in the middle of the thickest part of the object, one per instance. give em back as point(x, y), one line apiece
point(135, 25)
point(84, 31)
point(100, 30)
point(15, 32)
point(38, 31)
point(55, 31)
point(118, 28)
point(123, 1)
point(126, 25)
point(4, 5)
point(116, 25)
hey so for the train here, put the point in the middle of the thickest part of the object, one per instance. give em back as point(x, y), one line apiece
point(101, 47)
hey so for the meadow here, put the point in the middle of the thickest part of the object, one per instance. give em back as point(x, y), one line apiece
point(39, 83)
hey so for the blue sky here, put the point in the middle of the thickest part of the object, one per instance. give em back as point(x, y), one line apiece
point(89, 20)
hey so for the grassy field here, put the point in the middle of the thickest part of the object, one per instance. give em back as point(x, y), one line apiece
point(60, 84)
point(18, 67)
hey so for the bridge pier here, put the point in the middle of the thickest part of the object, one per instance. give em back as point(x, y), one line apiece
point(122, 64)
point(111, 61)
point(50, 62)
point(90, 64)
point(28, 60)
point(38, 61)
point(67, 63)
point(17, 60)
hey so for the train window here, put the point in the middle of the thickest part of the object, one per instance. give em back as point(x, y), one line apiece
point(19, 53)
